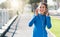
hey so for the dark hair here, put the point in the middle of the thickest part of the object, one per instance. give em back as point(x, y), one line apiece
point(44, 4)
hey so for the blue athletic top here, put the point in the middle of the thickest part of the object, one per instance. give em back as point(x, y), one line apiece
point(40, 22)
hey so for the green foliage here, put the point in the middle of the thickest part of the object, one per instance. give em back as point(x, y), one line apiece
point(35, 1)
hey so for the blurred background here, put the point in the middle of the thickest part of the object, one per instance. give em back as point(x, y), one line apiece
point(20, 12)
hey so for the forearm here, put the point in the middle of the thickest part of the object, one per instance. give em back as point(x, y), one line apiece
point(48, 22)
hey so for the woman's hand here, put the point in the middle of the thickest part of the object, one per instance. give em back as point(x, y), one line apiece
point(47, 14)
point(36, 12)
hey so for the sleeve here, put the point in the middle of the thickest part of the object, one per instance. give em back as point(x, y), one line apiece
point(48, 22)
point(31, 21)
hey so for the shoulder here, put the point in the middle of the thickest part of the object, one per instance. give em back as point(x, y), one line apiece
point(33, 17)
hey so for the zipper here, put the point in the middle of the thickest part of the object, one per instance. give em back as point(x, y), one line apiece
point(42, 24)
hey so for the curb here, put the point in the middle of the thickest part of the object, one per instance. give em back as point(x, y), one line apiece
point(50, 34)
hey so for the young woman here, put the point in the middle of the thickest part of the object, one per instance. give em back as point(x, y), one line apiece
point(41, 20)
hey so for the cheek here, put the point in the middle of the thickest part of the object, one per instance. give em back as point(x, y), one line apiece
point(42, 10)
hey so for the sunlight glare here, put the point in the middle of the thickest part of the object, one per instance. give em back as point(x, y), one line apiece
point(14, 4)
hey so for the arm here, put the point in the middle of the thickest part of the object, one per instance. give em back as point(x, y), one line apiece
point(48, 22)
point(32, 21)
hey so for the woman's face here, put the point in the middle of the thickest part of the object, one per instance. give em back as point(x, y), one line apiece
point(42, 9)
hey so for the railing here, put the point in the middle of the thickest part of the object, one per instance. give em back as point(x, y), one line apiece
point(5, 28)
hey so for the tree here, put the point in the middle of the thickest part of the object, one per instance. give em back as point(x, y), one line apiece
point(37, 1)
point(34, 1)
point(56, 0)
point(5, 4)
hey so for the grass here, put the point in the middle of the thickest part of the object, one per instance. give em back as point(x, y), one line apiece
point(55, 26)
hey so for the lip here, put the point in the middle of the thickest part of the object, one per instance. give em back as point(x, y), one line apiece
point(41, 10)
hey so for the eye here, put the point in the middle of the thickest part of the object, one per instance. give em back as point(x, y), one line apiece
point(42, 7)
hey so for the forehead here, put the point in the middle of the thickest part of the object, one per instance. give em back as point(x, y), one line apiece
point(42, 5)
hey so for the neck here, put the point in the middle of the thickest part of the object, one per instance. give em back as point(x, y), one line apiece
point(42, 14)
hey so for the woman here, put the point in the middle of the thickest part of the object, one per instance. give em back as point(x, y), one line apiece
point(41, 20)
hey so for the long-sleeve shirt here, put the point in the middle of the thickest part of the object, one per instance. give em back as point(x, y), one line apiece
point(40, 22)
